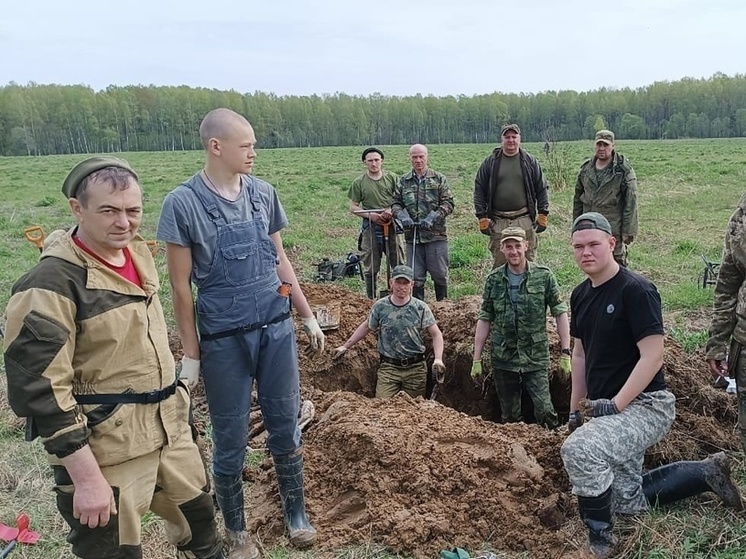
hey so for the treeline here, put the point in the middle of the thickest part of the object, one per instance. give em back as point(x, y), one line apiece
point(52, 119)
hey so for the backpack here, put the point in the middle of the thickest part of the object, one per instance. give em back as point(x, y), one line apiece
point(348, 267)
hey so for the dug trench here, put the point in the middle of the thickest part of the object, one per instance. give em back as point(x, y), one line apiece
point(422, 475)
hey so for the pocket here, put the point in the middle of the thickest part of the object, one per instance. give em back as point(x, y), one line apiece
point(247, 262)
point(112, 439)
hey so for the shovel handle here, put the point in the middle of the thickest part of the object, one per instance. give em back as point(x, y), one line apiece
point(35, 234)
point(153, 246)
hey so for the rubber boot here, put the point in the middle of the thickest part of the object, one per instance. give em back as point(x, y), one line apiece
point(229, 494)
point(679, 480)
point(441, 291)
point(419, 292)
point(369, 287)
point(597, 516)
point(289, 468)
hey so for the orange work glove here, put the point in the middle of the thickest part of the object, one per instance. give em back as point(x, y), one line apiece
point(484, 225)
point(541, 222)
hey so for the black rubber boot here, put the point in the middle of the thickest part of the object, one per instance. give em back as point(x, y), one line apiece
point(229, 493)
point(419, 292)
point(679, 480)
point(369, 291)
point(441, 291)
point(289, 468)
point(597, 516)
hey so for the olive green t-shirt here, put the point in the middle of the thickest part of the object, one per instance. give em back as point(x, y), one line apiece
point(510, 194)
point(371, 194)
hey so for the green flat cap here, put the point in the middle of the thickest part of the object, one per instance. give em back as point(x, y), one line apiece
point(591, 220)
point(89, 166)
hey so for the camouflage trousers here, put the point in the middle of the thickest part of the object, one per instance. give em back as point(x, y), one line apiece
point(374, 249)
point(393, 379)
point(509, 385)
point(737, 370)
point(620, 252)
point(608, 451)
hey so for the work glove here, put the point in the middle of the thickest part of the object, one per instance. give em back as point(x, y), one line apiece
point(541, 222)
point(575, 420)
point(476, 369)
point(484, 225)
point(339, 352)
point(597, 408)
point(189, 371)
point(405, 220)
point(314, 333)
point(565, 365)
point(427, 223)
point(440, 371)
point(628, 239)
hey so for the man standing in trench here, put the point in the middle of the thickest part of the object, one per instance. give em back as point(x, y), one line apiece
point(617, 382)
point(374, 189)
point(89, 366)
point(222, 229)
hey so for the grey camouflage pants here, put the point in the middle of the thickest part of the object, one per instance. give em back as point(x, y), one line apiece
point(737, 370)
point(608, 451)
point(429, 257)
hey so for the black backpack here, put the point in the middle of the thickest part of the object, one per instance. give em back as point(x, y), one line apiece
point(348, 267)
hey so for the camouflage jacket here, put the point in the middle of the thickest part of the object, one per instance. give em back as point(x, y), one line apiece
point(520, 341)
point(419, 198)
point(77, 327)
point(729, 308)
point(615, 199)
point(400, 328)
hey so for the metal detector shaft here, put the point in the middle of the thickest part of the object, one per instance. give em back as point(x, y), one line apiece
point(414, 249)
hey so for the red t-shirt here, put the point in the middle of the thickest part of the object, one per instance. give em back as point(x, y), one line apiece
point(127, 271)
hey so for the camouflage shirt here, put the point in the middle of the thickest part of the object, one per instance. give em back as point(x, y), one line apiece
point(729, 308)
point(420, 197)
point(519, 339)
point(400, 329)
point(612, 193)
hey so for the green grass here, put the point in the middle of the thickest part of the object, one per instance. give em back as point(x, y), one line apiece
point(687, 191)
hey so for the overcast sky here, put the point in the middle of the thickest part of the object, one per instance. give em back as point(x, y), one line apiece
point(393, 47)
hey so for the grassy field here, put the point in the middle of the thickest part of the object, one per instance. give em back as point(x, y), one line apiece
point(687, 191)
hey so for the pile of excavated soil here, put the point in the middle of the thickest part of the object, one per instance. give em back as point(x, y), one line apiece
point(423, 475)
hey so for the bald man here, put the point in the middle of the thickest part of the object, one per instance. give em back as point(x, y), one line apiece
point(422, 200)
point(222, 233)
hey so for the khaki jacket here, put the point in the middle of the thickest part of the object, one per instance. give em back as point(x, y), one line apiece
point(76, 327)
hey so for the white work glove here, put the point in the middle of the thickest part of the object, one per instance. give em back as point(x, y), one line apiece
point(314, 333)
point(189, 371)
point(440, 371)
point(339, 352)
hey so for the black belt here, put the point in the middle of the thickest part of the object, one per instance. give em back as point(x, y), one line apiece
point(152, 397)
point(508, 215)
point(406, 362)
point(245, 328)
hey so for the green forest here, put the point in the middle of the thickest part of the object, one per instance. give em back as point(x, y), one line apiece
point(56, 119)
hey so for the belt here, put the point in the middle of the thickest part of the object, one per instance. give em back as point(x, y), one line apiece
point(513, 214)
point(152, 397)
point(406, 362)
point(245, 328)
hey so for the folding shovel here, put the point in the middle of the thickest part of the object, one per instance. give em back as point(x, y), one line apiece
point(20, 534)
point(35, 234)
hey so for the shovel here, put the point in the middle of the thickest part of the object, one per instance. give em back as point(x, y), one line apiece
point(372, 237)
point(386, 292)
point(35, 235)
point(20, 534)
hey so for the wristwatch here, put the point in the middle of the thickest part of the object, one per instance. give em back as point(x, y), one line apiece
point(567, 351)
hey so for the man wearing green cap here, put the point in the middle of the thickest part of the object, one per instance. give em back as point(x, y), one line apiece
point(89, 366)
point(607, 184)
point(619, 404)
point(510, 191)
point(514, 305)
point(400, 320)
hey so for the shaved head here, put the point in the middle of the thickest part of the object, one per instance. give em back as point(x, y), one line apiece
point(220, 124)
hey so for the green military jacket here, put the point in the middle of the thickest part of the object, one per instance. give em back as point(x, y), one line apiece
point(729, 308)
point(419, 198)
point(615, 198)
point(521, 343)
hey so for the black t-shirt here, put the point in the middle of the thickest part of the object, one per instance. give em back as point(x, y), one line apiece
point(610, 319)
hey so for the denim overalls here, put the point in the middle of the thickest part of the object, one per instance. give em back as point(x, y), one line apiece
point(246, 335)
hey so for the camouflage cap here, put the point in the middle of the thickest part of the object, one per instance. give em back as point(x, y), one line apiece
point(591, 220)
point(513, 127)
point(89, 166)
point(515, 233)
point(605, 136)
point(402, 271)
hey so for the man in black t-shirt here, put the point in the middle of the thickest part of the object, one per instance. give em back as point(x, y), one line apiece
point(617, 379)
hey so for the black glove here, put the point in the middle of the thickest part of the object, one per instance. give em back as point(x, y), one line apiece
point(404, 219)
point(575, 421)
point(597, 408)
point(427, 223)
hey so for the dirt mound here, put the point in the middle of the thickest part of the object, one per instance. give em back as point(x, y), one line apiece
point(419, 476)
